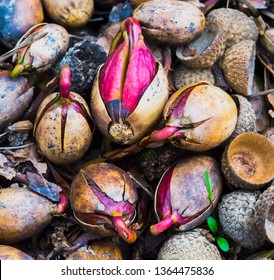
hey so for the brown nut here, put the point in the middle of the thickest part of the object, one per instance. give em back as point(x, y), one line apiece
point(23, 214)
point(69, 13)
point(267, 40)
point(11, 253)
point(248, 161)
point(170, 22)
point(205, 50)
point(238, 66)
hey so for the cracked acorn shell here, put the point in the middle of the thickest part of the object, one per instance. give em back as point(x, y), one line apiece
point(205, 50)
point(238, 66)
point(191, 245)
point(69, 13)
point(170, 22)
point(264, 213)
point(236, 212)
point(12, 253)
point(246, 117)
point(183, 75)
point(247, 162)
point(100, 250)
point(142, 119)
point(237, 25)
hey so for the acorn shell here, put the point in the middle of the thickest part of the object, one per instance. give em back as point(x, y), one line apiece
point(205, 50)
point(69, 13)
point(113, 181)
point(237, 25)
point(16, 18)
point(236, 212)
point(264, 207)
point(206, 102)
point(238, 66)
point(183, 75)
point(11, 253)
point(170, 22)
point(246, 120)
point(48, 132)
point(23, 214)
point(248, 161)
point(14, 99)
point(47, 50)
point(143, 118)
point(191, 245)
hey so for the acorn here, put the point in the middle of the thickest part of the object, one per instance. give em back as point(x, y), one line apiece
point(205, 50)
point(71, 14)
point(269, 134)
point(12, 253)
point(191, 245)
point(100, 250)
point(237, 25)
point(23, 214)
point(16, 18)
point(170, 22)
point(248, 161)
point(236, 212)
point(264, 213)
point(238, 66)
point(183, 75)
point(246, 120)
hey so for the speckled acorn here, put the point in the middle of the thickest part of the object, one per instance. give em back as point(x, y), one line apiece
point(170, 22)
point(191, 245)
point(63, 127)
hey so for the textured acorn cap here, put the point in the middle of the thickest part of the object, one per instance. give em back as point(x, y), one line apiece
point(237, 25)
point(190, 245)
point(269, 224)
point(264, 209)
point(269, 134)
point(248, 161)
point(206, 49)
point(183, 75)
point(236, 215)
point(246, 120)
point(238, 66)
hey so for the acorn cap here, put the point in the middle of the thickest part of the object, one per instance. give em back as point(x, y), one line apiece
point(206, 49)
point(237, 25)
point(248, 161)
point(269, 134)
point(236, 215)
point(264, 212)
point(238, 66)
point(183, 75)
point(191, 245)
point(246, 120)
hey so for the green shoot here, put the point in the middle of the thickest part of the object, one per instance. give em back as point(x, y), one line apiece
point(222, 243)
point(212, 224)
point(208, 186)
